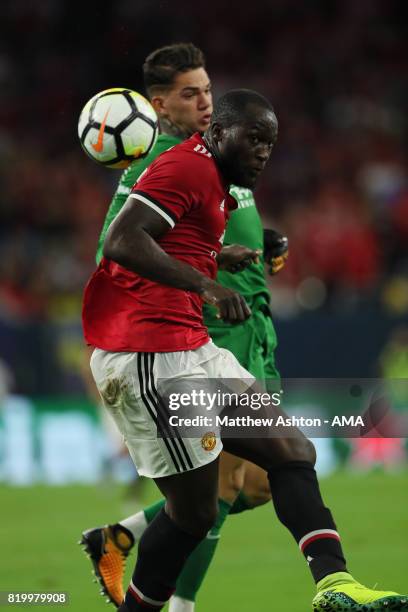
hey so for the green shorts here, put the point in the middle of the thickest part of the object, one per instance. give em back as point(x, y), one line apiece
point(253, 344)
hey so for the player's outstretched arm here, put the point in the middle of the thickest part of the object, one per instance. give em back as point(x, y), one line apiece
point(132, 243)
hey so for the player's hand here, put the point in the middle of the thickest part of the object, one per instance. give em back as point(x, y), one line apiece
point(236, 257)
point(275, 250)
point(232, 307)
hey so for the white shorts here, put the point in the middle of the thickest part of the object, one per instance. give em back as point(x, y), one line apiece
point(127, 383)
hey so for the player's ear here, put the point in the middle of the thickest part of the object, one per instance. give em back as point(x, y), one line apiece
point(159, 105)
point(216, 131)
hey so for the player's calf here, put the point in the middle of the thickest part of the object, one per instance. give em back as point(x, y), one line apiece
point(299, 506)
point(154, 579)
point(256, 488)
point(231, 477)
point(297, 499)
point(194, 518)
point(158, 565)
point(191, 510)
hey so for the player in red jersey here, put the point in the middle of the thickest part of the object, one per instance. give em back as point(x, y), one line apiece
point(180, 89)
point(185, 191)
point(142, 312)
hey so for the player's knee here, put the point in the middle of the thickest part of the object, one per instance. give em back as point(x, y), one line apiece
point(231, 483)
point(296, 449)
point(310, 452)
point(256, 487)
point(231, 477)
point(258, 496)
point(303, 450)
point(238, 478)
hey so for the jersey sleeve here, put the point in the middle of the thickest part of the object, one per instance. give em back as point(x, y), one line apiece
point(169, 186)
point(127, 180)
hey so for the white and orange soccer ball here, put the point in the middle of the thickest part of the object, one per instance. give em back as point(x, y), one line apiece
point(117, 126)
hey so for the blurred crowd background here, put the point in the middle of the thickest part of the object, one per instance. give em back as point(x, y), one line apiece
point(337, 184)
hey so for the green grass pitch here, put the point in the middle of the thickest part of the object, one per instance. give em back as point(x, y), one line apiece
point(257, 566)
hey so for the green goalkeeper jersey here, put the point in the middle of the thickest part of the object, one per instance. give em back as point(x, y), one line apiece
point(244, 227)
point(127, 180)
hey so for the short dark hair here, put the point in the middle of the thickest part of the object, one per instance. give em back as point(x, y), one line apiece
point(162, 65)
point(231, 107)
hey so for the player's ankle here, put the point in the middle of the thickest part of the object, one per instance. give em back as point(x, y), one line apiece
point(135, 525)
point(178, 604)
point(122, 536)
point(334, 579)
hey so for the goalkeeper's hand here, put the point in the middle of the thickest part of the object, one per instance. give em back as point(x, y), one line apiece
point(275, 250)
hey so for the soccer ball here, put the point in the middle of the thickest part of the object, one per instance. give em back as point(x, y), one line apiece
point(117, 126)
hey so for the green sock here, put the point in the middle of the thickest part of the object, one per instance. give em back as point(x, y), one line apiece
point(196, 567)
point(240, 504)
point(151, 511)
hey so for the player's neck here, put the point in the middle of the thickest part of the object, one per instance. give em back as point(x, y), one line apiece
point(171, 129)
point(213, 149)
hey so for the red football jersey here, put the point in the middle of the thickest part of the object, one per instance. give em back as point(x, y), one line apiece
point(124, 311)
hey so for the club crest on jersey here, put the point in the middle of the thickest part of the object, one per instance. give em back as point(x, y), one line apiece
point(208, 441)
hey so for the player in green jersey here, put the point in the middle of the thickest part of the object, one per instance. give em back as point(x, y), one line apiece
point(128, 179)
point(179, 89)
point(185, 108)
